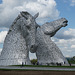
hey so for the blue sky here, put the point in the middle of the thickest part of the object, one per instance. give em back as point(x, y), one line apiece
point(48, 10)
point(67, 11)
point(0, 1)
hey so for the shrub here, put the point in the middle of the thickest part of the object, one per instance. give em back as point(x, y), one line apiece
point(34, 61)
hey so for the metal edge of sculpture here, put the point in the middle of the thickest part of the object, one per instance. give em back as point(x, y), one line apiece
point(19, 39)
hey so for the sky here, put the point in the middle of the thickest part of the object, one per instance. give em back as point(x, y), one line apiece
point(49, 10)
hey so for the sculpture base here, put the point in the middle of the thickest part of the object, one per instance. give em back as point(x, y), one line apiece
point(7, 62)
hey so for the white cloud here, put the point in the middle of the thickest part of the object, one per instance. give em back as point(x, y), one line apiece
point(73, 46)
point(0, 51)
point(32, 55)
point(70, 32)
point(9, 9)
point(66, 46)
point(67, 56)
point(72, 2)
point(66, 34)
point(65, 40)
point(2, 36)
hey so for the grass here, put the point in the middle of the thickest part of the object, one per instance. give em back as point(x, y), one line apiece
point(45, 66)
point(35, 69)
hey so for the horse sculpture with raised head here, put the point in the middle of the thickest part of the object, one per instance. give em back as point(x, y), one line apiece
point(47, 52)
point(19, 40)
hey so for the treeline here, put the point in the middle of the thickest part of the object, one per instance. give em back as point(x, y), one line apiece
point(71, 60)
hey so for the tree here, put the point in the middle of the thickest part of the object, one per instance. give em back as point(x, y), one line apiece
point(73, 57)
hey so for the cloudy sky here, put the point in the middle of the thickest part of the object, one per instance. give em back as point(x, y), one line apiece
point(49, 10)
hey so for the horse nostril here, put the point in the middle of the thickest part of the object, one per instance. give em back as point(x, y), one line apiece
point(66, 21)
point(32, 46)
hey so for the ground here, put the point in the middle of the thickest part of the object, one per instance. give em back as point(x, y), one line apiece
point(37, 72)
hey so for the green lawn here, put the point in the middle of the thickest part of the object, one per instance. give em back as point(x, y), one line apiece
point(45, 66)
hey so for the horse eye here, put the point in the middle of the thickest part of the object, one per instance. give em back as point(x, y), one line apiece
point(36, 27)
point(28, 27)
point(26, 18)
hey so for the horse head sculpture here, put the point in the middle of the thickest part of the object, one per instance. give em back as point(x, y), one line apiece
point(29, 28)
point(50, 28)
point(19, 40)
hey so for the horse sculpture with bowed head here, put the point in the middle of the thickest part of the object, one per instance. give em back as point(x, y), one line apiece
point(18, 41)
point(47, 52)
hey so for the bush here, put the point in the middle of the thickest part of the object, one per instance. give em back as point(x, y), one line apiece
point(34, 61)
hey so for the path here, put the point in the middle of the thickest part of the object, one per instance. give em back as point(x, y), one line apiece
point(38, 68)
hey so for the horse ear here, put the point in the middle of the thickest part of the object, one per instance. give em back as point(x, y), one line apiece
point(36, 15)
point(24, 15)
